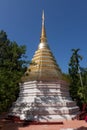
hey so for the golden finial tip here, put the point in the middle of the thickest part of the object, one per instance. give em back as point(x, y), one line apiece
point(43, 37)
point(43, 18)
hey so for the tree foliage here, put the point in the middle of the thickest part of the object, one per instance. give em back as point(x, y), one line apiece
point(82, 92)
point(78, 75)
point(66, 77)
point(12, 67)
point(74, 72)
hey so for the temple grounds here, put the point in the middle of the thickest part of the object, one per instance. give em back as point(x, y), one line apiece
point(65, 125)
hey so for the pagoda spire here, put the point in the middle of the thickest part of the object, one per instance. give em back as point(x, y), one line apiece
point(43, 38)
point(43, 18)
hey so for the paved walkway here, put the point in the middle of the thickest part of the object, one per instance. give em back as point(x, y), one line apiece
point(67, 125)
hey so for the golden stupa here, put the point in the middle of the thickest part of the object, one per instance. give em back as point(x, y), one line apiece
point(44, 96)
point(43, 65)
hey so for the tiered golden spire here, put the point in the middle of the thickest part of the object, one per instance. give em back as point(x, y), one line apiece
point(45, 67)
point(43, 38)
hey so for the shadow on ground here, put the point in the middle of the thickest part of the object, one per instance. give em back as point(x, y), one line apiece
point(82, 128)
point(8, 125)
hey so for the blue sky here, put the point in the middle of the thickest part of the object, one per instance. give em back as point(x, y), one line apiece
point(65, 20)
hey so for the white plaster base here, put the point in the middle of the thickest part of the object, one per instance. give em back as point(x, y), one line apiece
point(44, 101)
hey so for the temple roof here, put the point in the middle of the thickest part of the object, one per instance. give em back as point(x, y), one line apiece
point(43, 66)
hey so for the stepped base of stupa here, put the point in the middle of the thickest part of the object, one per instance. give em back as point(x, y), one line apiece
point(43, 101)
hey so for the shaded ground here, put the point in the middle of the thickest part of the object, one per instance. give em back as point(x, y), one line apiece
point(75, 124)
point(65, 125)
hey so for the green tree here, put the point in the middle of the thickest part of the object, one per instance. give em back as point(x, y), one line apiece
point(12, 67)
point(82, 92)
point(78, 75)
point(66, 77)
point(74, 66)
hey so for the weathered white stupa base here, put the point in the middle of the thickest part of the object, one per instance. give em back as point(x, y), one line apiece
point(44, 102)
point(43, 97)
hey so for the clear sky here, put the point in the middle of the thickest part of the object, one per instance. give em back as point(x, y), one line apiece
point(65, 21)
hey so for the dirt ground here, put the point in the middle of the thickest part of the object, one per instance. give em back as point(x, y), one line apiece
point(65, 125)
